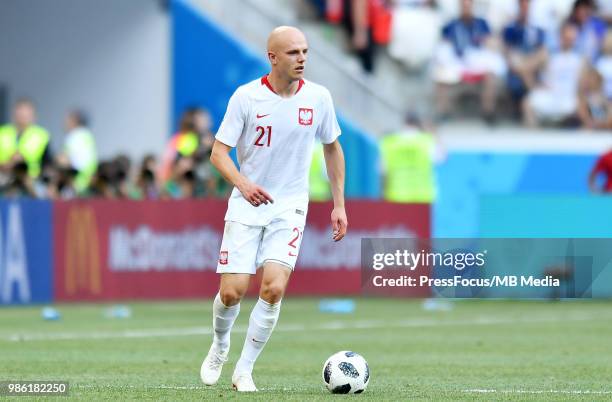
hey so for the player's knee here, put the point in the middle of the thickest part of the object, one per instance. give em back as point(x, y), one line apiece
point(230, 297)
point(272, 292)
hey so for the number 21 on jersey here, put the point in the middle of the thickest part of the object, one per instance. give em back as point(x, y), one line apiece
point(264, 138)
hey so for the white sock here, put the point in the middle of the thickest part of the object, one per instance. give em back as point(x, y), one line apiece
point(261, 324)
point(223, 320)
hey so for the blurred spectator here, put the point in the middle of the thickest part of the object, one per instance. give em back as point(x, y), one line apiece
point(205, 173)
point(112, 179)
point(122, 167)
point(56, 182)
point(467, 31)
point(497, 13)
point(591, 29)
point(368, 23)
point(24, 141)
point(65, 186)
point(356, 22)
point(602, 166)
point(79, 151)
point(525, 53)
point(415, 32)
point(194, 138)
point(550, 15)
point(408, 158)
point(604, 65)
point(103, 181)
point(20, 183)
point(146, 182)
point(463, 57)
point(556, 98)
point(46, 184)
point(594, 109)
point(184, 183)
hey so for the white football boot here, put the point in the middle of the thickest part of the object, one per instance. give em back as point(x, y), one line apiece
point(243, 382)
point(212, 365)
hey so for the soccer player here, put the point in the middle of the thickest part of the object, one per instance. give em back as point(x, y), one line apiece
point(273, 121)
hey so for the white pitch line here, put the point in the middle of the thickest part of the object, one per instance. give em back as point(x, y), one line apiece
point(329, 326)
point(468, 391)
point(545, 391)
point(185, 387)
point(146, 333)
point(145, 387)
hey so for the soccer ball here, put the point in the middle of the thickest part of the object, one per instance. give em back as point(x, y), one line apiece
point(346, 373)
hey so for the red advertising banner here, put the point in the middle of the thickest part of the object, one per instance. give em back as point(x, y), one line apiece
point(111, 249)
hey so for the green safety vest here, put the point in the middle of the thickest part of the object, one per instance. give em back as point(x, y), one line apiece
point(83, 140)
point(31, 145)
point(187, 143)
point(319, 189)
point(409, 167)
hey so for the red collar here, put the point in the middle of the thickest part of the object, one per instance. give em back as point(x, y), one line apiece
point(264, 81)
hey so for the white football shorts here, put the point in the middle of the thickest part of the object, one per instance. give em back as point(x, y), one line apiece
point(245, 248)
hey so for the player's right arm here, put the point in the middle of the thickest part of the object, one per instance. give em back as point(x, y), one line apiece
point(227, 137)
point(251, 192)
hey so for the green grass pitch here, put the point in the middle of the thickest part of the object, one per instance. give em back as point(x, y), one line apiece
point(480, 350)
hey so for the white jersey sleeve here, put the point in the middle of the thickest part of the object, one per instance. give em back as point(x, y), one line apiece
point(234, 120)
point(329, 129)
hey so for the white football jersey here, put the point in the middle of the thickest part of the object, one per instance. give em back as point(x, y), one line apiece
point(274, 138)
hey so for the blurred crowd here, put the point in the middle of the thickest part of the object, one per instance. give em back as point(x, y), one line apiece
point(29, 168)
point(540, 62)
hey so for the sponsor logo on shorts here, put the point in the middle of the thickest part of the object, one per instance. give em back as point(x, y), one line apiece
point(223, 257)
point(299, 212)
point(305, 116)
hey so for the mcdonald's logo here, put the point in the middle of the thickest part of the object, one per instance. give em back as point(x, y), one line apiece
point(82, 265)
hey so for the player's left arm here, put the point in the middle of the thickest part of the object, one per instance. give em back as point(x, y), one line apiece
point(334, 161)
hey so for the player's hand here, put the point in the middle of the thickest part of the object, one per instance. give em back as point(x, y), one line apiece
point(339, 223)
point(255, 194)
